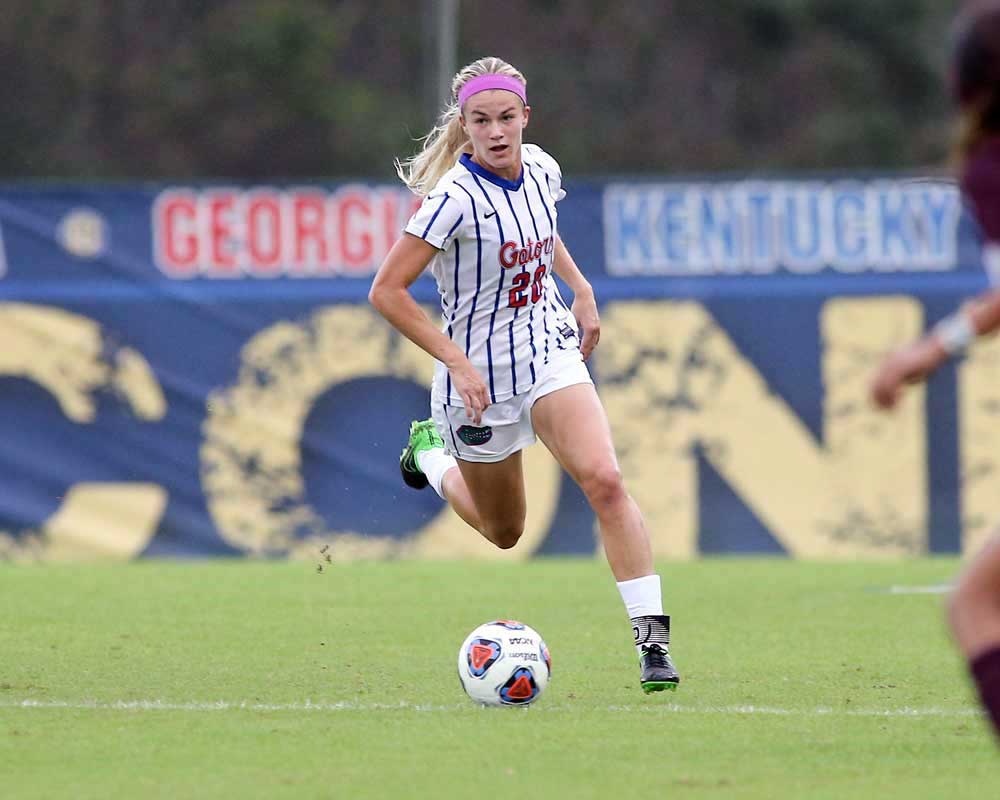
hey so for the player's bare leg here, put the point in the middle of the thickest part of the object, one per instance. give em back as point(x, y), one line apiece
point(572, 424)
point(974, 607)
point(459, 497)
point(974, 616)
point(496, 492)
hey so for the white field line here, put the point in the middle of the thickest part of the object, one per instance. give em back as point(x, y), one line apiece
point(309, 706)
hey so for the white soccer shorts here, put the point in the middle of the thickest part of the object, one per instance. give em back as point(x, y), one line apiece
point(506, 426)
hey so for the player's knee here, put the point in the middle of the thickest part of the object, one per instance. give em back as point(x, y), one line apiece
point(505, 534)
point(603, 485)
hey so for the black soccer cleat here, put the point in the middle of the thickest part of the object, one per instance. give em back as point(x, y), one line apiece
point(652, 638)
point(658, 673)
point(423, 436)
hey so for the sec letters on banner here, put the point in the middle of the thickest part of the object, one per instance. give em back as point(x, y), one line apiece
point(673, 379)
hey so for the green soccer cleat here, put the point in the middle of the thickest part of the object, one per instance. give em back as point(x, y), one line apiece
point(423, 436)
point(658, 673)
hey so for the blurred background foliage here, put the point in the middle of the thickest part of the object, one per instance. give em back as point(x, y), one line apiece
point(309, 89)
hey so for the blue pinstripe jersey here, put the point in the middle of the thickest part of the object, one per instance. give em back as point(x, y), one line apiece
point(499, 302)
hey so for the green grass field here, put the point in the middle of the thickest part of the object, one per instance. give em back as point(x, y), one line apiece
point(249, 679)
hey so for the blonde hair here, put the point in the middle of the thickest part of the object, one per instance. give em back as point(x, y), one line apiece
point(447, 140)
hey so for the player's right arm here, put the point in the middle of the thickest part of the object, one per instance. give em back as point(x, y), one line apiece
point(390, 295)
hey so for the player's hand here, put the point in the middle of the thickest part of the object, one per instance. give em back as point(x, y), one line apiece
point(471, 388)
point(588, 320)
point(910, 364)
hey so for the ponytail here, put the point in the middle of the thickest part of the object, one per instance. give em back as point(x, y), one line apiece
point(441, 148)
point(978, 121)
point(975, 77)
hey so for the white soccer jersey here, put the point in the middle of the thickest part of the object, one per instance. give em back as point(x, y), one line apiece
point(499, 301)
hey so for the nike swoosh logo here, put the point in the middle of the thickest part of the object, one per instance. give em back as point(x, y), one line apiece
point(489, 214)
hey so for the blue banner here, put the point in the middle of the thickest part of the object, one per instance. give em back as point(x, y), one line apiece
point(195, 371)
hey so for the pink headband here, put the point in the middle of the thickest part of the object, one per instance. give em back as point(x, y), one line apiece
point(484, 83)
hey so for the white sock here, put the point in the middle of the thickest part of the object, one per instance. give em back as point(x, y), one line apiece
point(434, 463)
point(642, 596)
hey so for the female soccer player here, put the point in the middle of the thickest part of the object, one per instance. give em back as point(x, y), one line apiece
point(974, 608)
point(510, 354)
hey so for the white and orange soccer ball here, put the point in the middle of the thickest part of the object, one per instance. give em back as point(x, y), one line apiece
point(504, 663)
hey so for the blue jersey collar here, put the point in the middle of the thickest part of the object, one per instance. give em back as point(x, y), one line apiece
point(482, 172)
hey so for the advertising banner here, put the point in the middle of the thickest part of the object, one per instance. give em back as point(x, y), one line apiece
point(194, 370)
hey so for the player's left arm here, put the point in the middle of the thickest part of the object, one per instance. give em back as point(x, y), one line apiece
point(915, 362)
point(584, 305)
point(984, 312)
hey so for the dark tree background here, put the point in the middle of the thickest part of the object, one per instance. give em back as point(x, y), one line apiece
point(248, 89)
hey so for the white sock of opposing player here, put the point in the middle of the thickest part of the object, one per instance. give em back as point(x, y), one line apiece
point(434, 463)
point(642, 598)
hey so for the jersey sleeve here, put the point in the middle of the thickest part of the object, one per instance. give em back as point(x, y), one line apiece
point(438, 220)
point(550, 168)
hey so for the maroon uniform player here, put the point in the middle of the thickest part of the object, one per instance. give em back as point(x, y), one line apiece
point(974, 608)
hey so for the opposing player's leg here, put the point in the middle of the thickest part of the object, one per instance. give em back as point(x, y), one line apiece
point(488, 495)
point(572, 424)
point(974, 616)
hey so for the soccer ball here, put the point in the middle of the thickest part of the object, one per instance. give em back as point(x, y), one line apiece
point(504, 663)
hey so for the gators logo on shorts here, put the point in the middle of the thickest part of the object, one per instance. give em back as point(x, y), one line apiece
point(475, 436)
